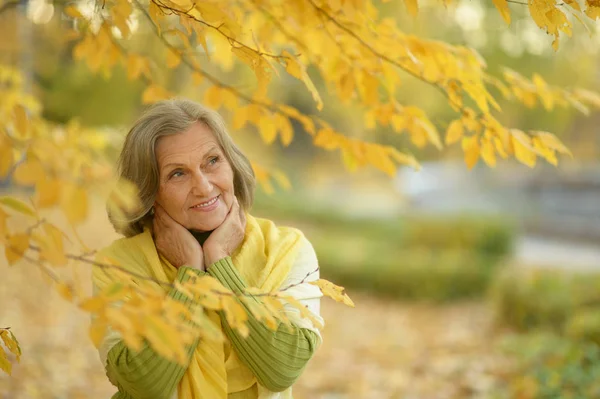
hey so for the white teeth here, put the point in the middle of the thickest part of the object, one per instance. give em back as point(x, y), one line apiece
point(212, 201)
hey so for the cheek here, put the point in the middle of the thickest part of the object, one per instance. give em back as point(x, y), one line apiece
point(170, 196)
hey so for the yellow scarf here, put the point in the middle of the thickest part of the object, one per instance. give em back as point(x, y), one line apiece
point(264, 259)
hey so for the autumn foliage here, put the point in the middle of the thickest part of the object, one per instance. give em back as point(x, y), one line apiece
point(345, 44)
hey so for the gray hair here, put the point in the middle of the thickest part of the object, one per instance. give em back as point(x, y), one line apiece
point(137, 162)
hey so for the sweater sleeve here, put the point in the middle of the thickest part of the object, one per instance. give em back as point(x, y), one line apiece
point(146, 374)
point(277, 358)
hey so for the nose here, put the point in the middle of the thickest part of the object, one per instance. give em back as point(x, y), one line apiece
point(201, 185)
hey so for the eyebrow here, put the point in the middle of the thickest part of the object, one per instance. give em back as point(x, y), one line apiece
point(177, 164)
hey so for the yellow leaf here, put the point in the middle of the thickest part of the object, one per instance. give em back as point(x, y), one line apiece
point(48, 192)
point(588, 96)
point(544, 92)
point(6, 157)
point(17, 205)
point(93, 304)
point(173, 58)
point(404, 159)
point(470, 122)
point(240, 117)
point(262, 176)
point(229, 100)
point(187, 22)
point(21, 120)
point(268, 130)
point(156, 15)
point(11, 343)
point(260, 312)
point(502, 6)
point(551, 141)
point(488, 152)
point(4, 363)
point(74, 203)
point(211, 12)
point(333, 291)
point(197, 78)
point(134, 66)
point(3, 227)
point(275, 308)
point(223, 56)
point(65, 291)
point(455, 132)
point(207, 284)
point(500, 147)
point(371, 122)
point(212, 97)
point(478, 93)
point(235, 314)
point(123, 201)
point(412, 7)
point(307, 314)
point(524, 151)
point(184, 290)
point(51, 246)
point(286, 131)
point(381, 159)
point(350, 161)
point(298, 70)
point(16, 247)
point(592, 9)
point(98, 331)
point(430, 131)
point(470, 146)
point(29, 172)
point(155, 93)
point(161, 337)
point(548, 153)
point(368, 88)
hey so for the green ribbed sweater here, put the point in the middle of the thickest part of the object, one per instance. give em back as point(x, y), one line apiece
point(277, 358)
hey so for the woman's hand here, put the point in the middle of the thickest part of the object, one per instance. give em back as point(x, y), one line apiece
point(175, 242)
point(225, 239)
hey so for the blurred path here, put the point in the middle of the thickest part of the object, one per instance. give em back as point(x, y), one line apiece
point(388, 349)
point(537, 251)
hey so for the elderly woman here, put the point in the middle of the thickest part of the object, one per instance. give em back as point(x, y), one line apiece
point(196, 188)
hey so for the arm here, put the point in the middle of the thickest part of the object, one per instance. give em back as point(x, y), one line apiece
point(277, 358)
point(146, 374)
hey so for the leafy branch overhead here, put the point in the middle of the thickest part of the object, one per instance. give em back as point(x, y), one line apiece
point(349, 49)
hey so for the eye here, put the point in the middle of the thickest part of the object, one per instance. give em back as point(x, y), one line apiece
point(213, 160)
point(176, 173)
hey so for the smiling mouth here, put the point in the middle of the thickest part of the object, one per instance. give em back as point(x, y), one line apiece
point(207, 203)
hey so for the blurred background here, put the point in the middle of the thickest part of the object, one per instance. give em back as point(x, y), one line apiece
point(467, 284)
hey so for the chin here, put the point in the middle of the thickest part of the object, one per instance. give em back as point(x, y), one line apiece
point(208, 224)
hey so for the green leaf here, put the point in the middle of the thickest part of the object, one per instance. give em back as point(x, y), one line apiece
point(17, 205)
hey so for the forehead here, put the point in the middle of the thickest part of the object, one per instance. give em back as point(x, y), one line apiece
point(197, 140)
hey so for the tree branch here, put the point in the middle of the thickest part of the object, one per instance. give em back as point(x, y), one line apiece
point(106, 266)
point(217, 28)
point(279, 26)
point(382, 56)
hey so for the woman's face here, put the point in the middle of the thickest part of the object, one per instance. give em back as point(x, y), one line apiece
point(196, 180)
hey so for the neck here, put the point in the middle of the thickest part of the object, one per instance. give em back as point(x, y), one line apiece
point(201, 236)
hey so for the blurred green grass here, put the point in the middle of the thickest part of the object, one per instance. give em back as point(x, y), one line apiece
point(549, 366)
point(542, 299)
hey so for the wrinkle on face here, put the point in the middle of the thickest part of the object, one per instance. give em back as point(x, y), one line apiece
point(193, 169)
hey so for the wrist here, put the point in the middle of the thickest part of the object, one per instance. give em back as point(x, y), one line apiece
point(211, 257)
